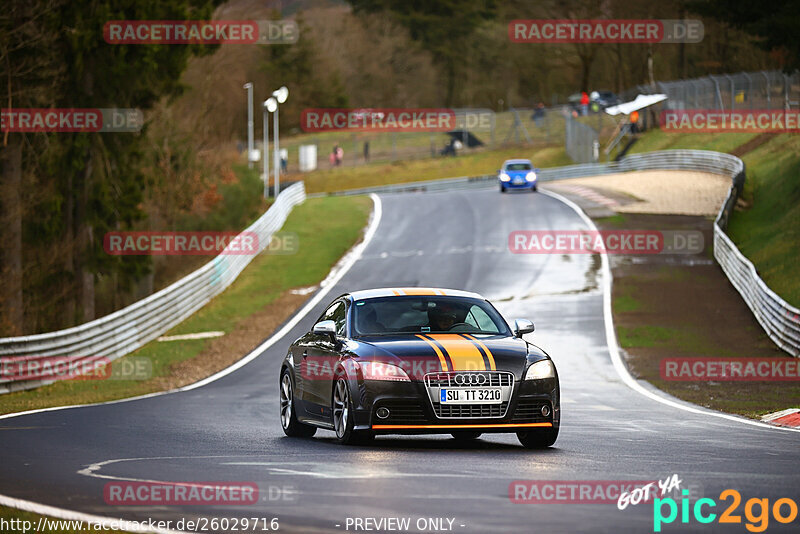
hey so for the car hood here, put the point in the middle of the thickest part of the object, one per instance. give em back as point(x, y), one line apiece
point(419, 354)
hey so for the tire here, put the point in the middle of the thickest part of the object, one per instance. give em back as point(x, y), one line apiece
point(466, 436)
point(342, 408)
point(502, 189)
point(533, 189)
point(538, 439)
point(289, 423)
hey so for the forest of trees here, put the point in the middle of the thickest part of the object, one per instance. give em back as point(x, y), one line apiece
point(60, 192)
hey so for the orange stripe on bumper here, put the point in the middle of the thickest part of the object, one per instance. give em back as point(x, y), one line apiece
point(497, 425)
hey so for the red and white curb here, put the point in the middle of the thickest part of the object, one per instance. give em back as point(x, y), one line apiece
point(589, 194)
point(790, 418)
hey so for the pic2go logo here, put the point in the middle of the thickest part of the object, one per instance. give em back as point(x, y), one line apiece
point(783, 511)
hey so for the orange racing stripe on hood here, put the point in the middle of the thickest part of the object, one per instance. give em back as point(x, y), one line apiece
point(489, 355)
point(442, 360)
point(462, 352)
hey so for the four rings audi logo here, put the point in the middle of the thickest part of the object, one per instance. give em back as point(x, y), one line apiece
point(470, 380)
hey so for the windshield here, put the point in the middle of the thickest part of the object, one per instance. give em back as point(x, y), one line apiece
point(518, 167)
point(429, 314)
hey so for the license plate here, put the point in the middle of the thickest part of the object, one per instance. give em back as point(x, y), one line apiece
point(470, 396)
point(518, 181)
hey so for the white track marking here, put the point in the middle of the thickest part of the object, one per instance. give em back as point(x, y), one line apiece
point(199, 335)
point(332, 471)
point(336, 274)
point(613, 347)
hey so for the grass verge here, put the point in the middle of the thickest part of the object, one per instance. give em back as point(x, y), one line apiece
point(660, 140)
point(767, 231)
point(684, 307)
point(326, 228)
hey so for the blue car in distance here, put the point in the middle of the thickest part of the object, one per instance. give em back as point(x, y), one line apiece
point(517, 174)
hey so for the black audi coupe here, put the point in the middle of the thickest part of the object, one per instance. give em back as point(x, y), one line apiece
point(418, 361)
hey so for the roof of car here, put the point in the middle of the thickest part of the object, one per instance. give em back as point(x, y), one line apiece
point(409, 291)
point(506, 162)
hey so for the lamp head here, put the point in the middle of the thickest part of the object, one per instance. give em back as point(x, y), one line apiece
point(281, 94)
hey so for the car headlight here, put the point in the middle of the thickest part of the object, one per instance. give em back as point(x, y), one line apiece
point(504, 177)
point(531, 176)
point(540, 370)
point(383, 371)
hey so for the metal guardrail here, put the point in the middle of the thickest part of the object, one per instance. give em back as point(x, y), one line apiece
point(129, 328)
point(780, 320)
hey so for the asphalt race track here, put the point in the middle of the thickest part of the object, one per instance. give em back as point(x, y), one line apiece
point(229, 430)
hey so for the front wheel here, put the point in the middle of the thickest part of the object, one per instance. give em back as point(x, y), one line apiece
point(538, 439)
point(533, 189)
point(291, 426)
point(343, 416)
point(502, 189)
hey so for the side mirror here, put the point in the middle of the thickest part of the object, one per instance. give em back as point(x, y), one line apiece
point(325, 328)
point(522, 326)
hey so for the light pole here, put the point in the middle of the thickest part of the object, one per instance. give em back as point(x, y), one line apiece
point(249, 87)
point(270, 105)
point(265, 149)
point(280, 97)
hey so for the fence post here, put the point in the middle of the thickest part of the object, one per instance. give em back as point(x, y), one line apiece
point(786, 92)
point(733, 91)
point(718, 94)
point(766, 77)
point(749, 88)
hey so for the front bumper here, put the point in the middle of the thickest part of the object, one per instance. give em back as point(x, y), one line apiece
point(510, 185)
point(411, 409)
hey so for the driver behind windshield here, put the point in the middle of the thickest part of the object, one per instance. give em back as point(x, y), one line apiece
point(442, 317)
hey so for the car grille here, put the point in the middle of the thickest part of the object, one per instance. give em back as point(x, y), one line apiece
point(490, 379)
point(472, 411)
point(530, 411)
point(401, 412)
point(502, 379)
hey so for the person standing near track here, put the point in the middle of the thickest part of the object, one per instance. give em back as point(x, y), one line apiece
point(634, 117)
